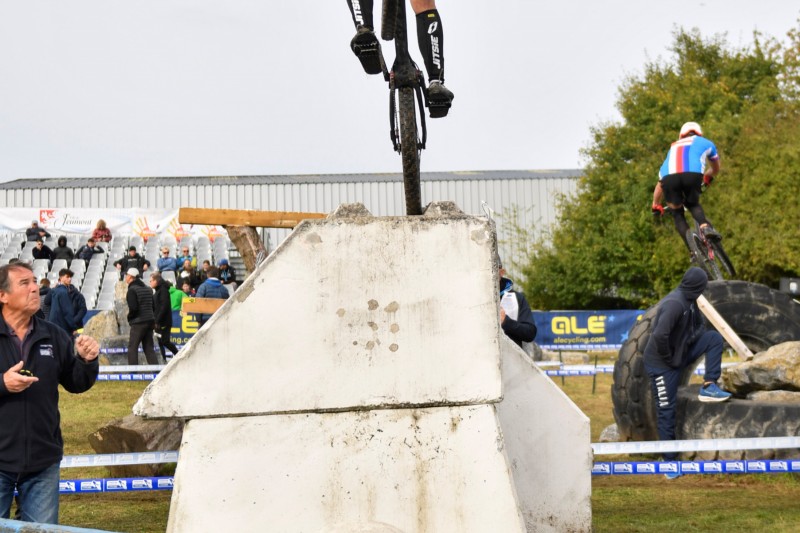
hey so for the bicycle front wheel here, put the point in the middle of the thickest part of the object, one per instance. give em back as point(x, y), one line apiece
point(409, 150)
point(722, 258)
point(700, 253)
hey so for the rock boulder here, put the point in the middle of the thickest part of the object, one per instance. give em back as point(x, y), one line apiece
point(775, 369)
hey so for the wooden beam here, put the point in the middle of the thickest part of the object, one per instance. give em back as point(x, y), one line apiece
point(725, 330)
point(204, 306)
point(239, 217)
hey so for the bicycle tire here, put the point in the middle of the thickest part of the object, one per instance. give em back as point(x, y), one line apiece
point(409, 150)
point(722, 257)
point(389, 19)
point(701, 255)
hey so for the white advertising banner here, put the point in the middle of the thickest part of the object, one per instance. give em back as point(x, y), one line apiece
point(143, 222)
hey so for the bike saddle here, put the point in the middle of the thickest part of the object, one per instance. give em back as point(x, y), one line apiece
point(367, 48)
point(440, 98)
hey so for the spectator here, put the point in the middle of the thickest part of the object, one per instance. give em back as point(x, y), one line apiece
point(186, 255)
point(162, 307)
point(87, 251)
point(132, 260)
point(226, 273)
point(211, 288)
point(166, 263)
point(62, 309)
point(202, 275)
point(140, 317)
point(38, 356)
point(678, 338)
point(42, 251)
point(101, 233)
point(62, 251)
point(516, 318)
point(35, 231)
point(188, 273)
point(44, 290)
point(187, 289)
point(176, 297)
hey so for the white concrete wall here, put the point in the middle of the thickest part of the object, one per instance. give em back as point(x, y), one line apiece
point(353, 383)
point(547, 440)
point(394, 312)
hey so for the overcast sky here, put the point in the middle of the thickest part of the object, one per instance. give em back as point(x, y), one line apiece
point(94, 88)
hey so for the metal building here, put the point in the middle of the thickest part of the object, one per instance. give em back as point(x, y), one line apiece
point(530, 194)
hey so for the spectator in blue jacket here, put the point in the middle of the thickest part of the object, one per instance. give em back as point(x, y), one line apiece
point(87, 251)
point(62, 310)
point(211, 288)
point(165, 262)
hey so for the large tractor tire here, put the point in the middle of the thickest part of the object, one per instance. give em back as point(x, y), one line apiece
point(735, 419)
point(762, 317)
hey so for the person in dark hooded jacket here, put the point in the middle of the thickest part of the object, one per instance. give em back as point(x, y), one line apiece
point(678, 338)
point(62, 251)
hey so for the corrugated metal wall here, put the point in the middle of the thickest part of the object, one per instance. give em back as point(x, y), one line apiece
point(531, 193)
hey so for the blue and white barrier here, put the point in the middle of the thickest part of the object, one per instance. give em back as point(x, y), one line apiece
point(758, 466)
point(125, 484)
point(119, 459)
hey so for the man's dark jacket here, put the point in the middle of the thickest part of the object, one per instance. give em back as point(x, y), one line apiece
point(162, 305)
point(30, 432)
point(523, 329)
point(140, 303)
point(678, 323)
point(136, 261)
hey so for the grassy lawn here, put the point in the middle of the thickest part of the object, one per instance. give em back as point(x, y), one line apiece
point(620, 504)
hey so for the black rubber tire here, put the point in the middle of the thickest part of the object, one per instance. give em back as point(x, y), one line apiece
point(389, 19)
point(409, 150)
point(762, 317)
point(735, 419)
point(723, 260)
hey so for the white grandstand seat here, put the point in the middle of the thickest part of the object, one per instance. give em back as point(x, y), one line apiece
point(26, 256)
point(29, 245)
point(168, 240)
point(136, 241)
point(39, 264)
point(72, 241)
point(146, 275)
point(53, 277)
point(78, 265)
point(76, 282)
point(58, 264)
point(3, 261)
point(110, 276)
point(169, 276)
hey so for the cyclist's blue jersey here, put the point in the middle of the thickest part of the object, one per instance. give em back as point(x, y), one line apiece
point(688, 155)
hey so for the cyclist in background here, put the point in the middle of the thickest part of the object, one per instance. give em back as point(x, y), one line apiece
point(691, 163)
point(366, 47)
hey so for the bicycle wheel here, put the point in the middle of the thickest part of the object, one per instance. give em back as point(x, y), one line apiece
point(409, 150)
point(722, 258)
point(389, 19)
point(700, 252)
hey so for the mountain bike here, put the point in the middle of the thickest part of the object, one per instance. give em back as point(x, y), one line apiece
point(406, 83)
point(709, 254)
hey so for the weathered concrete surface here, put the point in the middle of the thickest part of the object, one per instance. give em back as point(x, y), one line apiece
point(547, 442)
point(435, 469)
point(777, 368)
point(348, 313)
point(353, 383)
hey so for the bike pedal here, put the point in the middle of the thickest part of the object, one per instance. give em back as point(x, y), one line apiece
point(370, 56)
point(438, 109)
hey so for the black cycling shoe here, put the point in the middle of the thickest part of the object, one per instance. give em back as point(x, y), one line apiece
point(711, 233)
point(367, 48)
point(440, 98)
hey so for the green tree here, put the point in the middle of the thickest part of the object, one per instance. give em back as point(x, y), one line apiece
point(607, 252)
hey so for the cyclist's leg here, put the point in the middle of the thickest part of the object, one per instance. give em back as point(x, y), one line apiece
point(692, 186)
point(361, 11)
point(431, 45)
point(671, 186)
point(365, 44)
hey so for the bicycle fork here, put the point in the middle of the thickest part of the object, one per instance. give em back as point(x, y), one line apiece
point(394, 132)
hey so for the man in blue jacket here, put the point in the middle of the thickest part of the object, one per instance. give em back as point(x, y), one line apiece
point(516, 317)
point(211, 288)
point(35, 357)
point(63, 303)
point(678, 338)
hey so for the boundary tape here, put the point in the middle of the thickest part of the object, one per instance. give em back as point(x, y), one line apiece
point(124, 484)
point(698, 445)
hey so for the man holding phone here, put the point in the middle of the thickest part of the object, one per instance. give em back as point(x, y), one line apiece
point(35, 357)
